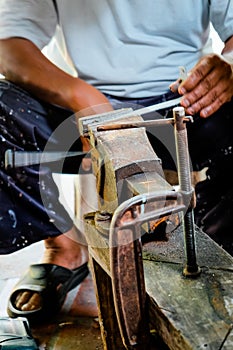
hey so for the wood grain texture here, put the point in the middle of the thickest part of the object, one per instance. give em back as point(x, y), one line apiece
point(189, 313)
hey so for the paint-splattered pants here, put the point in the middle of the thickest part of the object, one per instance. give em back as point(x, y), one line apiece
point(30, 210)
point(29, 207)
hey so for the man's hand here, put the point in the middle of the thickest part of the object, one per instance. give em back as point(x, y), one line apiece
point(208, 86)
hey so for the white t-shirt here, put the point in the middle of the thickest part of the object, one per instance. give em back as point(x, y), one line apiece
point(130, 48)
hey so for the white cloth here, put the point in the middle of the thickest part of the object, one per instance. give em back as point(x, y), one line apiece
point(130, 48)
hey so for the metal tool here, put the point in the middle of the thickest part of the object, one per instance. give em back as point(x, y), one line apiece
point(15, 159)
point(126, 255)
point(89, 122)
point(179, 121)
point(183, 74)
point(140, 124)
point(191, 269)
point(131, 196)
point(154, 108)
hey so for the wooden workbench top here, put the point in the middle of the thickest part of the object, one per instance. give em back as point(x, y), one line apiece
point(190, 314)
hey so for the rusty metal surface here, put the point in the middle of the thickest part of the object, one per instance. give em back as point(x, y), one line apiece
point(126, 266)
point(116, 157)
point(129, 294)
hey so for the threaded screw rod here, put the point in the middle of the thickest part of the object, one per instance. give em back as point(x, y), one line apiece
point(191, 269)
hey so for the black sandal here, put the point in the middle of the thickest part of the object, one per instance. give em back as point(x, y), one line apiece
point(53, 282)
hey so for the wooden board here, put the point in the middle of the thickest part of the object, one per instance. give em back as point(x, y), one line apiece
point(189, 313)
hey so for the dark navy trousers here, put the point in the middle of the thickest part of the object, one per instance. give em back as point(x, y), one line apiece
point(29, 207)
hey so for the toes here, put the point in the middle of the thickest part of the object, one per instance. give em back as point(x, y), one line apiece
point(22, 298)
point(28, 301)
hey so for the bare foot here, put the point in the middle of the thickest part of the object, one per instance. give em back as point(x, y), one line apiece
point(63, 250)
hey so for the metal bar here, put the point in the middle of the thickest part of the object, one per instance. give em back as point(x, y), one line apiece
point(138, 124)
point(153, 108)
point(15, 159)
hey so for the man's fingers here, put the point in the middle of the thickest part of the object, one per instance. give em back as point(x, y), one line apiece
point(213, 107)
point(198, 73)
point(204, 94)
point(175, 85)
point(208, 104)
point(207, 87)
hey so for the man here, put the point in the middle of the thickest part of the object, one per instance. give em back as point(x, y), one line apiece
point(127, 51)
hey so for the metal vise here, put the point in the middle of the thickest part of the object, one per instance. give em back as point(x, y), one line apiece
point(133, 198)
